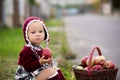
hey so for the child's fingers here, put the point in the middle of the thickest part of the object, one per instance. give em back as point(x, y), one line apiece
point(43, 60)
point(47, 60)
point(42, 57)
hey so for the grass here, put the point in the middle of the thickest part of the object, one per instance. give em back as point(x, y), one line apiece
point(54, 22)
point(11, 42)
point(66, 61)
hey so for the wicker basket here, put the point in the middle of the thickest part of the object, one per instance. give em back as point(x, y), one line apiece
point(105, 74)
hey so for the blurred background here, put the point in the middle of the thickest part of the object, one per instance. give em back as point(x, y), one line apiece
point(74, 27)
point(13, 12)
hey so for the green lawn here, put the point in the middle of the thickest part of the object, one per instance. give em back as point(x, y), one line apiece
point(11, 42)
point(54, 22)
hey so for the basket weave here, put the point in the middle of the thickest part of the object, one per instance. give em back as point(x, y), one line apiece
point(105, 74)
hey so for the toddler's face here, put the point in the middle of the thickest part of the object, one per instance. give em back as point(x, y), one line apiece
point(36, 33)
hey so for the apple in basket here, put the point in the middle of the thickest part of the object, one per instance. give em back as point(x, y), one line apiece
point(84, 60)
point(99, 60)
point(79, 67)
point(86, 68)
point(109, 65)
point(93, 58)
point(47, 53)
point(97, 67)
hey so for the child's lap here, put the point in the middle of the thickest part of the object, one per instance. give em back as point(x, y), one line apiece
point(44, 74)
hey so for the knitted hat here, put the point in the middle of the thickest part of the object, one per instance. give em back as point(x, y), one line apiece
point(27, 23)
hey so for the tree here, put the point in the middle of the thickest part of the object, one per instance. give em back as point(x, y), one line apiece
point(31, 2)
point(16, 18)
point(116, 4)
point(1, 9)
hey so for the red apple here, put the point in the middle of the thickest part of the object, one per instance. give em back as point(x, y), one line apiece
point(93, 58)
point(100, 60)
point(109, 65)
point(86, 68)
point(83, 60)
point(47, 53)
point(97, 67)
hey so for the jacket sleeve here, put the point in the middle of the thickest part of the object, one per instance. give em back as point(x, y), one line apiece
point(28, 60)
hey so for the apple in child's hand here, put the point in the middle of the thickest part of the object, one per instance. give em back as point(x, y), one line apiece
point(83, 60)
point(100, 60)
point(47, 53)
point(109, 65)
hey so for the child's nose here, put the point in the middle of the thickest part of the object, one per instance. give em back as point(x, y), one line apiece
point(38, 33)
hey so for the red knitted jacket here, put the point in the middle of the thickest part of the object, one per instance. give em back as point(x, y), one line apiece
point(28, 59)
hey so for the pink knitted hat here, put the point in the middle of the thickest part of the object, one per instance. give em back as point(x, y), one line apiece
point(27, 22)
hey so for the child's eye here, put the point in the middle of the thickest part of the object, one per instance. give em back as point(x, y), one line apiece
point(32, 32)
point(40, 31)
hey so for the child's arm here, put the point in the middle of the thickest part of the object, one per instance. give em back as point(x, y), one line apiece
point(28, 60)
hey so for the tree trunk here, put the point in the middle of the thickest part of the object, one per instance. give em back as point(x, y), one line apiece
point(1, 12)
point(16, 19)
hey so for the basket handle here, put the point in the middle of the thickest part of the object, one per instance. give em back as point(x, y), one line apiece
point(90, 58)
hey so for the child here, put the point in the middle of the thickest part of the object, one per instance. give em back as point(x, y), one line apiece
point(31, 64)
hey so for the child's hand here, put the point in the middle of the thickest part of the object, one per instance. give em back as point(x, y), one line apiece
point(42, 60)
